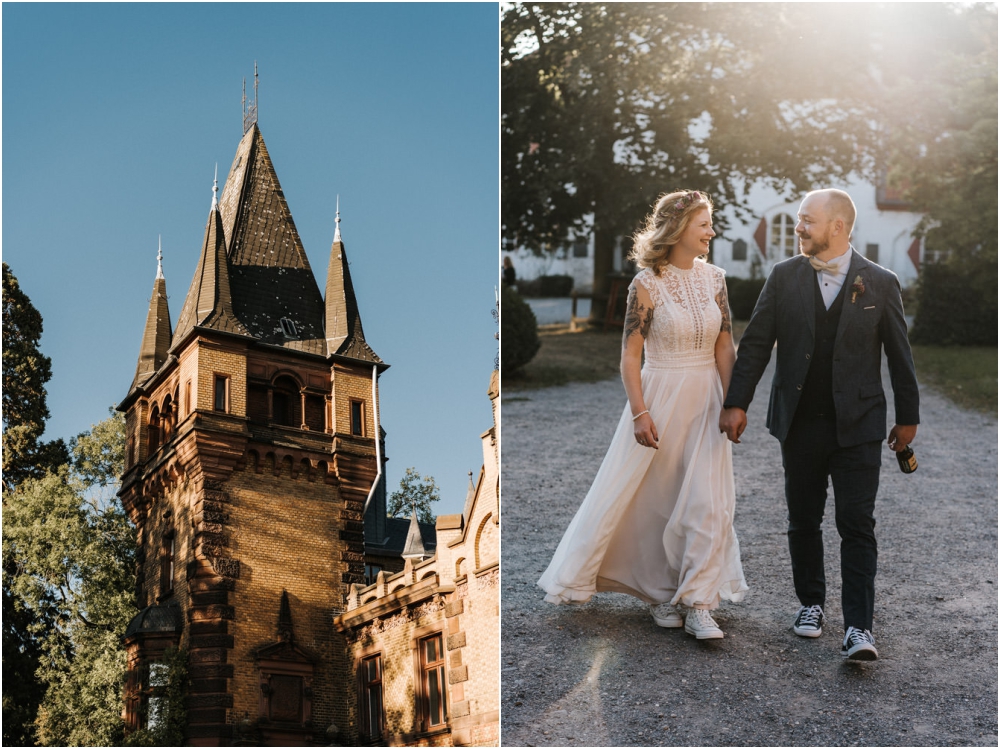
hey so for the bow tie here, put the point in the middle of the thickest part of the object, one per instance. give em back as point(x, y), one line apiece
point(831, 268)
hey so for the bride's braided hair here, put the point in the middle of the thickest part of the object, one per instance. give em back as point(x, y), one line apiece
point(664, 227)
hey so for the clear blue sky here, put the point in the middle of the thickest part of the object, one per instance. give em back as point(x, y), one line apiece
point(115, 115)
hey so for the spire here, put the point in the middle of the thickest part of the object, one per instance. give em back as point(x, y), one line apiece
point(344, 334)
point(414, 547)
point(215, 189)
point(285, 630)
point(470, 497)
point(159, 256)
point(209, 302)
point(156, 336)
point(336, 232)
point(271, 277)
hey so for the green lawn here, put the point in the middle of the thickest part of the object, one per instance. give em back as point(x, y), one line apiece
point(967, 375)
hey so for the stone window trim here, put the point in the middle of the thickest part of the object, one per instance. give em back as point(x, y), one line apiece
point(419, 638)
point(267, 670)
point(371, 728)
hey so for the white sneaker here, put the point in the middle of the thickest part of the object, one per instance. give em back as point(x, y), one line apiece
point(699, 622)
point(666, 615)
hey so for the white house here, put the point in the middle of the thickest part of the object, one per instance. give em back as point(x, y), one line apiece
point(883, 233)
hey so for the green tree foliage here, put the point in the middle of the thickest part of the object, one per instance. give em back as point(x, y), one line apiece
point(518, 331)
point(415, 492)
point(75, 554)
point(945, 158)
point(607, 105)
point(25, 372)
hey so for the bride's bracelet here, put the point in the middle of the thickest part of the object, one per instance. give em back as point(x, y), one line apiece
point(641, 413)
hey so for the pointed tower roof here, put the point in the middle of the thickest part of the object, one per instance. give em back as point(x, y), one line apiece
point(470, 497)
point(271, 278)
point(344, 334)
point(156, 336)
point(209, 301)
point(414, 548)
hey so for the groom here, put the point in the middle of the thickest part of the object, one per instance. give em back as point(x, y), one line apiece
point(832, 312)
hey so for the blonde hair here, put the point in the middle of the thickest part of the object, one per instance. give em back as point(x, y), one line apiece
point(664, 227)
point(839, 205)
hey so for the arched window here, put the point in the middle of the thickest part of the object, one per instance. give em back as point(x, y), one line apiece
point(153, 430)
point(782, 239)
point(167, 419)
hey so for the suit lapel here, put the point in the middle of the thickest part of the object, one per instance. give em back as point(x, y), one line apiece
point(805, 279)
point(858, 269)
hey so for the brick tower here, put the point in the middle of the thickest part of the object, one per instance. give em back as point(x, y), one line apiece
point(251, 450)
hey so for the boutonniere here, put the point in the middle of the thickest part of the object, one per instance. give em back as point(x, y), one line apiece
point(857, 288)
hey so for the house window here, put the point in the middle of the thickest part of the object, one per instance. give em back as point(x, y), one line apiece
point(371, 697)
point(871, 252)
point(432, 682)
point(580, 248)
point(285, 698)
point(371, 573)
point(285, 403)
point(167, 561)
point(156, 701)
point(153, 431)
point(782, 242)
point(739, 250)
point(221, 393)
point(358, 418)
point(288, 328)
point(187, 397)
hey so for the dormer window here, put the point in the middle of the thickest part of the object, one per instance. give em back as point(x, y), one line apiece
point(288, 328)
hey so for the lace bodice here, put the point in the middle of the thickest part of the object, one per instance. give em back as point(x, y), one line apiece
point(686, 315)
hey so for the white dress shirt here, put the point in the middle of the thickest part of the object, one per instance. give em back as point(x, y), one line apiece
point(830, 283)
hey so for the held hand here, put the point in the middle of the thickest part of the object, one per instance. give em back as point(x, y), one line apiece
point(900, 436)
point(732, 422)
point(645, 431)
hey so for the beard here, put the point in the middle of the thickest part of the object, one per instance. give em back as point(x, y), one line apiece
point(815, 248)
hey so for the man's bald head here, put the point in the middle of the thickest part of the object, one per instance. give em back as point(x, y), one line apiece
point(837, 204)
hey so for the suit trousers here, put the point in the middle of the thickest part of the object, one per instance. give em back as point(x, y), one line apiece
point(810, 455)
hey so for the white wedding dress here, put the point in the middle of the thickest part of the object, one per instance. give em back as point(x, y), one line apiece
point(658, 524)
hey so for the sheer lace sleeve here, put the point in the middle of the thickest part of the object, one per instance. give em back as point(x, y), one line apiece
point(647, 281)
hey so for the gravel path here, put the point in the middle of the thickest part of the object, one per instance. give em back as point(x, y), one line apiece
point(603, 674)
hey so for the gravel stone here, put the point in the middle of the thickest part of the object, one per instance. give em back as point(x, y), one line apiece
point(603, 674)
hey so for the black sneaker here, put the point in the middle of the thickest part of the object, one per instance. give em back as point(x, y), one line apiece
point(809, 621)
point(859, 645)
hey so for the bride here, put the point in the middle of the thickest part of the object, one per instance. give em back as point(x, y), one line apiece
point(657, 522)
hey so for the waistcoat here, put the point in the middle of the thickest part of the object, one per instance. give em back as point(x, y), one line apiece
point(816, 400)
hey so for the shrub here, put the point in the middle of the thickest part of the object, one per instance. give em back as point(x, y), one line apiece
point(518, 331)
point(546, 286)
point(743, 293)
point(957, 304)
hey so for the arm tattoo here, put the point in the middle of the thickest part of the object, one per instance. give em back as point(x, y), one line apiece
point(637, 318)
point(722, 299)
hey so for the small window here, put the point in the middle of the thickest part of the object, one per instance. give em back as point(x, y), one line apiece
point(221, 393)
point(288, 328)
point(371, 573)
point(167, 562)
point(432, 682)
point(358, 418)
point(739, 250)
point(371, 697)
point(580, 248)
point(871, 252)
point(285, 698)
point(782, 236)
point(187, 397)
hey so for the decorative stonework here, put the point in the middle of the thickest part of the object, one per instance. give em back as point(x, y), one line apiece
point(490, 580)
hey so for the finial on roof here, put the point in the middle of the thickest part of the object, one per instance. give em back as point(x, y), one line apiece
point(250, 111)
point(336, 233)
point(215, 189)
point(159, 256)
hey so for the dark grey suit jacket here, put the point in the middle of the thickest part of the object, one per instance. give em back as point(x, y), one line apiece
point(785, 313)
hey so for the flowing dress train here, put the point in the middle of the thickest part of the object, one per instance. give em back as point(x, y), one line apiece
point(658, 524)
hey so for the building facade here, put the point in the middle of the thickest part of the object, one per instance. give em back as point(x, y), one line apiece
point(253, 446)
point(751, 245)
point(424, 642)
